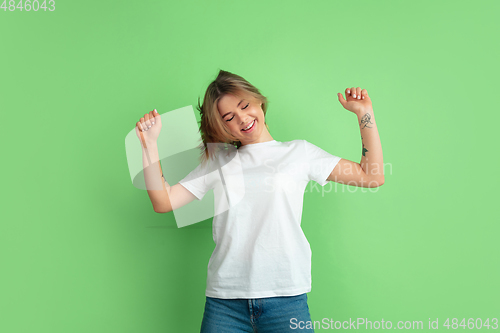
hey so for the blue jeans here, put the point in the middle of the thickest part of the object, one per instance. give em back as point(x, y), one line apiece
point(270, 314)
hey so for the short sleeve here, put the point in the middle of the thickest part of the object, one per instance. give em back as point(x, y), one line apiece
point(196, 182)
point(321, 163)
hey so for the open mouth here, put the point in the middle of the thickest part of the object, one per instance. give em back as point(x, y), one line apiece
point(252, 125)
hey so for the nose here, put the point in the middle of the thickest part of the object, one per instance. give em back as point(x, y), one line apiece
point(244, 122)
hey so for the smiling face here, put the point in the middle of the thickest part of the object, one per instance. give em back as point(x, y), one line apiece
point(239, 112)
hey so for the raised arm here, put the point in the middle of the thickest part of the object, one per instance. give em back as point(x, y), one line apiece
point(370, 171)
point(372, 160)
point(164, 198)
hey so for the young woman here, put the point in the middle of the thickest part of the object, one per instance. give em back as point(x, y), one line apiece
point(260, 271)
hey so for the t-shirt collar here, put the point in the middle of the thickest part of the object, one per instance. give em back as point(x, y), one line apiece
point(258, 144)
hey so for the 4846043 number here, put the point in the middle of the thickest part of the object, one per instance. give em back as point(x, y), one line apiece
point(471, 323)
point(29, 5)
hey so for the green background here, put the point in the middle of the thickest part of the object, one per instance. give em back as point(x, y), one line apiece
point(81, 249)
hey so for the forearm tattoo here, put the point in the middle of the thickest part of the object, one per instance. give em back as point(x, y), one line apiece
point(364, 149)
point(365, 120)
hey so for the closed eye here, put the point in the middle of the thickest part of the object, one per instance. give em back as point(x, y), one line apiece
point(242, 109)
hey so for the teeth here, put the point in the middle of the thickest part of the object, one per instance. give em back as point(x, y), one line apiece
point(251, 124)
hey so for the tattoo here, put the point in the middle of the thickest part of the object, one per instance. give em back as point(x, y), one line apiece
point(364, 149)
point(365, 120)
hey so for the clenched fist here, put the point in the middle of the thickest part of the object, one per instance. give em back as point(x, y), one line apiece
point(148, 127)
point(357, 101)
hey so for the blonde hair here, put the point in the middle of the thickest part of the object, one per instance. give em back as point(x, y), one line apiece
point(212, 127)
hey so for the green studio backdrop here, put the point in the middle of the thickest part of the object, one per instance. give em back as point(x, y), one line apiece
point(81, 249)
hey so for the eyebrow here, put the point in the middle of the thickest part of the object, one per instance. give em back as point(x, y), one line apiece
point(230, 111)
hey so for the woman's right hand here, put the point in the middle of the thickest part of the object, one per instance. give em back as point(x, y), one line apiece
point(148, 127)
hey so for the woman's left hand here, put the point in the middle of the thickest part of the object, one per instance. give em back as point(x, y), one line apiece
point(357, 100)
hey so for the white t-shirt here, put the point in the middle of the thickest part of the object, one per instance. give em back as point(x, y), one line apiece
point(261, 250)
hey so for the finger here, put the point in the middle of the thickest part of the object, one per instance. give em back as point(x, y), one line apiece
point(152, 118)
point(358, 93)
point(364, 93)
point(143, 126)
point(138, 126)
point(347, 93)
point(341, 99)
point(157, 118)
point(147, 122)
point(353, 92)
